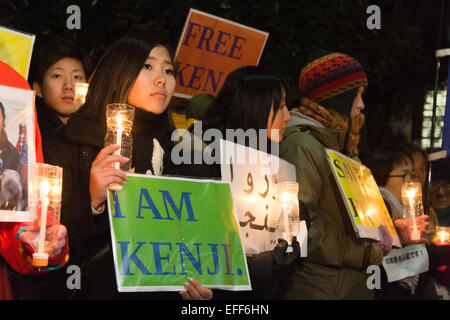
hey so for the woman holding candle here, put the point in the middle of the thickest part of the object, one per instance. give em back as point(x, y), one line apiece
point(254, 97)
point(140, 74)
point(420, 164)
point(392, 167)
point(440, 190)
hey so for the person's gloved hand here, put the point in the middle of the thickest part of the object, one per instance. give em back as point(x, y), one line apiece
point(281, 257)
point(386, 242)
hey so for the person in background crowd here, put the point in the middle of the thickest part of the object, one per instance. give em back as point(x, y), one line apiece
point(15, 249)
point(391, 167)
point(331, 85)
point(56, 66)
point(254, 97)
point(420, 164)
point(440, 190)
point(141, 74)
point(440, 201)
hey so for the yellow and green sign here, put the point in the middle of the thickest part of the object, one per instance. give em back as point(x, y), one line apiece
point(362, 198)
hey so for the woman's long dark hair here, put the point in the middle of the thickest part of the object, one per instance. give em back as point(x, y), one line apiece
point(246, 98)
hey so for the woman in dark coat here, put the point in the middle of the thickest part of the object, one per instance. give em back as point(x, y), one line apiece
point(254, 98)
point(142, 75)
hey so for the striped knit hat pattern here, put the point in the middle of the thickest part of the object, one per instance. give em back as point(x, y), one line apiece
point(332, 79)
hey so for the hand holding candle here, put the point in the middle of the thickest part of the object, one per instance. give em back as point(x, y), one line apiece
point(412, 204)
point(45, 194)
point(119, 120)
point(290, 224)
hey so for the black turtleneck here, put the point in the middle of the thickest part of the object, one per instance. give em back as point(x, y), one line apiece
point(148, 126)
point(47, 118)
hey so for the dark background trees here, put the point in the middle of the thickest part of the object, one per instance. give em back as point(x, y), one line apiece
point(398, 58)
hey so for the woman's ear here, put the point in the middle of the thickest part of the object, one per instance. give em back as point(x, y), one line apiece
point(37, 88)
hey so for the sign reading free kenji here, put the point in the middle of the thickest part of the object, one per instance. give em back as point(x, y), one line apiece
point(209, 48)
point(167, 230)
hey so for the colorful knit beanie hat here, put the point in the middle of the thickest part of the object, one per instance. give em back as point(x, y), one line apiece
point(332, 79)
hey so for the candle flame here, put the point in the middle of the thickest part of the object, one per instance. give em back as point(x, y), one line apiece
point(119, 122)
point(410, 193)
point(285, 197)
point(443, 236)
point(45, 187)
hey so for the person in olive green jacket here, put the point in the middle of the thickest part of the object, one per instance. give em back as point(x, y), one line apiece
point(331, 85)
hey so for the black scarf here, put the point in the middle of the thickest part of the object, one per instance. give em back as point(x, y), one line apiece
point(148, 126)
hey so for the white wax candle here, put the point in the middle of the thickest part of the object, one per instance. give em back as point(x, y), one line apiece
point(44, 208)
point(415, 233)
point(119, 138)
point(43, 226)
point(287, 229)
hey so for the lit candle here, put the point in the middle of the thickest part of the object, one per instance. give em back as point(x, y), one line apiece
point(44, 208)
point(287, 230)
point(415, 233)
point(119, 137)
point(443, 237)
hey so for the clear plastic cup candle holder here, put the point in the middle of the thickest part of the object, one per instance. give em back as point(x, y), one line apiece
point(442, 236)
point(289, 221)
point(412, 206)
point(119, 121)
point(45, 203)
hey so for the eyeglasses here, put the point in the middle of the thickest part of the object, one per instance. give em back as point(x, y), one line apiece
point(437, 185)
point(410, 174)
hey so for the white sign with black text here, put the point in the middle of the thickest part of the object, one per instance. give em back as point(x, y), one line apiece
point(253, 175)
point(406, 262)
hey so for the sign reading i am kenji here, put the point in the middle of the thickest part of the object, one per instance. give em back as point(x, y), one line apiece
point(167, 230)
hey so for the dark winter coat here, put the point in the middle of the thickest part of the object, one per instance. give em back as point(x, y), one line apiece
point(337, 260)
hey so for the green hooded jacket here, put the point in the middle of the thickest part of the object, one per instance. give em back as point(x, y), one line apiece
point(337, 260)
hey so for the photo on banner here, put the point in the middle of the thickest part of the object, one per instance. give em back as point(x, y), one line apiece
point(166, 230)
point(211, 47)
point(253, 176)
point(16, 48)
point(362, 198)
point(17, 153)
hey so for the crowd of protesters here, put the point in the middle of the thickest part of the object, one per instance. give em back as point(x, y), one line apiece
point(329, 116)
